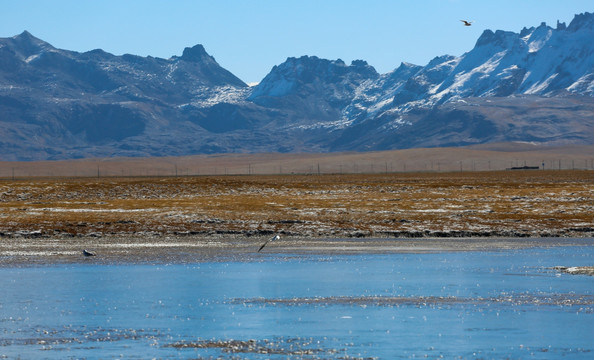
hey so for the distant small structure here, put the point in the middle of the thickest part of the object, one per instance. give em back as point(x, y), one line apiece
point(88, 253)
point(524, 168)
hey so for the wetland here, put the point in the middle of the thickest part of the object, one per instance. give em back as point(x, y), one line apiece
point(378, 266)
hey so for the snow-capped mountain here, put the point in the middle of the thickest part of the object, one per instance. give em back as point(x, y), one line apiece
point(535, 85)
point(503, 68)
point(538, 61)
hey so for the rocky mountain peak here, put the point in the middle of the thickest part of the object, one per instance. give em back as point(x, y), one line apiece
point(26, 44)
point(307, 72)
point(196, 64)
point(499, 39)
point(301, 68)
point(581, 21)
point(536, 85)
point(27, 37)
point(197, 53)
point(363, 68)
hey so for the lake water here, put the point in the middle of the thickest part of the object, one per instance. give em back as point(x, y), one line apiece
point(468, 305)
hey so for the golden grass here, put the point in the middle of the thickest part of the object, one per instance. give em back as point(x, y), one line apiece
point(535, 203)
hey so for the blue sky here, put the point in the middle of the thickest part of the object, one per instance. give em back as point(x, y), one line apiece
point(249, 37)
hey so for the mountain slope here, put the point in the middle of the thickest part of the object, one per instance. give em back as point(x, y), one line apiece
point(532, 69)
point(536, 85)
point(317, 89)
point(57, 103)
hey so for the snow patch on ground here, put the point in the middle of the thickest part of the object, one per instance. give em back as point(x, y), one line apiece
point(210, 96)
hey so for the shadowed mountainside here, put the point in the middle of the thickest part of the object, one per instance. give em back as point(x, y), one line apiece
point(535, 86)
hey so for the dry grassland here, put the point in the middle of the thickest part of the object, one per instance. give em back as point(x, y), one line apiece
point(487, 157)
point(464, 204)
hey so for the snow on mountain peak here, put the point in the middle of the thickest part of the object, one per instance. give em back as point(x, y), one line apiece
point(538, 37)
point(538, 60)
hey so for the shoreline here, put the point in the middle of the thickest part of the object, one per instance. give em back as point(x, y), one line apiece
point(130, 250)
point(192, 219)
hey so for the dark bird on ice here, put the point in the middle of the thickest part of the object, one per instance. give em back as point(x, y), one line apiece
point(276, 237)
point(88, 253)
point(466, 23)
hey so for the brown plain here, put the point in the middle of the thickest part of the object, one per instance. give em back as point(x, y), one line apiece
point(496, 203)
point(204, 208)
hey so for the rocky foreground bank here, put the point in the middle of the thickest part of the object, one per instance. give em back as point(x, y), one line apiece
point(226, 214)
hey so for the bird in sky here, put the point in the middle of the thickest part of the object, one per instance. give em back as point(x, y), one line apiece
point(276, 237)
point(466, 23)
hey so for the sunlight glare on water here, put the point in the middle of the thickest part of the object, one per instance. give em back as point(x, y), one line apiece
point(501, 304)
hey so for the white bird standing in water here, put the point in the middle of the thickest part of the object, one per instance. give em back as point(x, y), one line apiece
point(276, 237)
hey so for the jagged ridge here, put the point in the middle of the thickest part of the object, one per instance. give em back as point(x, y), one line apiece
point(63, 104)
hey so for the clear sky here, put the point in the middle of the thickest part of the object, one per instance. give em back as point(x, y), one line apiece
point(249, 37)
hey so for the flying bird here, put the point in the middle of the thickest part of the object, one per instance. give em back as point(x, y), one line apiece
point(88, 253)
point(276, 237)
point(466, 23)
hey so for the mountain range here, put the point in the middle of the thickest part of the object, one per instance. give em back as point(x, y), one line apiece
point(533, 86)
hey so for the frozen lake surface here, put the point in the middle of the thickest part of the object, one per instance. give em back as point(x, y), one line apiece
point(469, 305)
